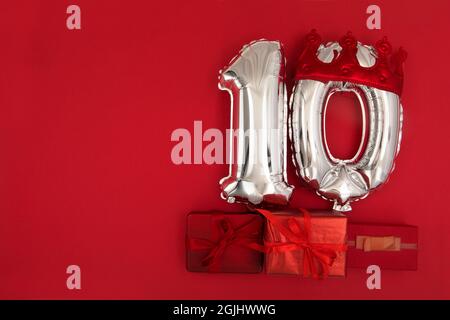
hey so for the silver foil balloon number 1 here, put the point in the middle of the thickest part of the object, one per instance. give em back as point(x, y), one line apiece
point(257, 157)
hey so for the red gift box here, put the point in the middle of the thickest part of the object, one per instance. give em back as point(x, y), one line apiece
point(303, 243)
point(224, 242)
point(392, 247)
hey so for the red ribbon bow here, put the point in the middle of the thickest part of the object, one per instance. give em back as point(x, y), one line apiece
point(246, 235)
point(314, 254)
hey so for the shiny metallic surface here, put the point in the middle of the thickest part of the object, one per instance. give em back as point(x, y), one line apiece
point(255, 81)
point(344, 180)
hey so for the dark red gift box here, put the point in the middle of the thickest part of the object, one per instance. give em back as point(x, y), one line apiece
point(392, 247)
point(305, 243)
point(224, 242)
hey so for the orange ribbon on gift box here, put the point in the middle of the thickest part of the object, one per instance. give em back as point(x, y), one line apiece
point(376, 243)
point(368, 243)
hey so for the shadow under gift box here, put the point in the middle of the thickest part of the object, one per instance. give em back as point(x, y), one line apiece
point(312, 245)
point(224, 242)
point(393, 247)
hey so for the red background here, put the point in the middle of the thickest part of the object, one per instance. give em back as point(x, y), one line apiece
point(85, 122)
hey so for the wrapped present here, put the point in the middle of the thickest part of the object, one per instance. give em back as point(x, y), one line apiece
point(392, 247)
point(304, 243)
point(224, 242)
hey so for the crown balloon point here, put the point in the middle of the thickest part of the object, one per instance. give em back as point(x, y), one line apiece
point(313, 38)
point(402, 54)
point(384, 47)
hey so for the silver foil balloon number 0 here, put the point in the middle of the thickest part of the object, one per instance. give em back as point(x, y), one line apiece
point(255, 81)
point(344, 181)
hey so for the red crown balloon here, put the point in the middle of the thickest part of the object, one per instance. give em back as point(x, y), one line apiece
point(385, 74)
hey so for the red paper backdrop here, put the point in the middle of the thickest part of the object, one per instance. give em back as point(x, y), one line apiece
point(86, 117)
